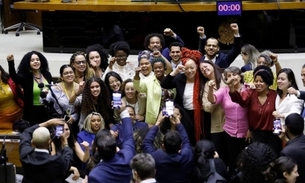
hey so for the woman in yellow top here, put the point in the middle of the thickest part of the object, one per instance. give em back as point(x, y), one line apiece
point(11, 102)
point(266, 58)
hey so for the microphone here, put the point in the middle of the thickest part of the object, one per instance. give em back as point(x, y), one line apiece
point(40, 85)
point(49, 85)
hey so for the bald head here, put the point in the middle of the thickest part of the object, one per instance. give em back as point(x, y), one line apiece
point(41, 137)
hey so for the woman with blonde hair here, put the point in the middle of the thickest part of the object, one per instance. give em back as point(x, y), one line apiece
point(93, 123)
point(249, 54)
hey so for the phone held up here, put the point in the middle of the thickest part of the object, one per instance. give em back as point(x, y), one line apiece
point(168, 110)
point(59, 130)
point(116, 99)
point(277, 126)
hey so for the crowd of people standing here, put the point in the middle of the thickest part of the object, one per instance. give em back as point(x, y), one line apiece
point(180, 109)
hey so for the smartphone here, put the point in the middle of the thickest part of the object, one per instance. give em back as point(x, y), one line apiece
point(59, 130)
point(66, 118)
point(277, 126)
point(169, 105)
point(116, 99)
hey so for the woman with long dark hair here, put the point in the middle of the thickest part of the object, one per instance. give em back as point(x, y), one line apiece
point(96, 98)
point(33, 75)
point(286, 104)
point(83, 155)
point(203, 152)
point(97, 59)
point(286, 170)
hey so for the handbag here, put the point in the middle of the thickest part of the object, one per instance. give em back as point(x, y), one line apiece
point(213, 176)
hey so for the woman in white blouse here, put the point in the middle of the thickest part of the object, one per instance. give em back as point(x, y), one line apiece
point(286, 104)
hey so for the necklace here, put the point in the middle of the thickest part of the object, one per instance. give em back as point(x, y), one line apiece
point(38, 79)
point(67, 92)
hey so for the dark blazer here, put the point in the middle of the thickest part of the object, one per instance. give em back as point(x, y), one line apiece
point(41, 167)
point(27, 83)
point(223, 60)
point(295, 149)
point(178, 82)
point(118, 168)
point(170, 167)
point(302, 95)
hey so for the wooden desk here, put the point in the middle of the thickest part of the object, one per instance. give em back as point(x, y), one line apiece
point(128, 6)
point(11, 146)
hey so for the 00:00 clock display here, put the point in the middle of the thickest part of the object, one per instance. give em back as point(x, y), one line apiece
point(232, 7)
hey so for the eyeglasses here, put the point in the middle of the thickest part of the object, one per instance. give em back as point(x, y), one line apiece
point(80, 62)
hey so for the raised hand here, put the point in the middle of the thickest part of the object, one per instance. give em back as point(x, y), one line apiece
point(81, 87)
point(200, 31)
point(10, 57)
point(234, 28)
point(168, 32)
point(111, 62)
point(211, 84)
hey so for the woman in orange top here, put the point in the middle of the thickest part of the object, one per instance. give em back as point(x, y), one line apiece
point(10, 101)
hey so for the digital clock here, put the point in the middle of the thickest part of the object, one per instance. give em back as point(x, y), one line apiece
point(229, 8)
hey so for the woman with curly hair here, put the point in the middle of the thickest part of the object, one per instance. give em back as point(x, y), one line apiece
point(11, 101)
point(185, 79)
point(155, 94)
point(96, 98)
point(256, 162)
point(97, 58)
point(119, 52)
point(80, 67)
point(32, 75)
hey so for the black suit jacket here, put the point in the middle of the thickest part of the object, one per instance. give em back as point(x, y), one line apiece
point(295, 149)
point(302, 95)
point(41, 167)
point(27, 83)
point(223, 60)
point(178, 82)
